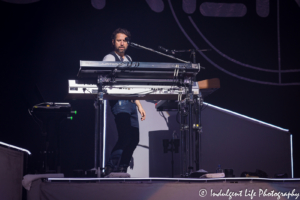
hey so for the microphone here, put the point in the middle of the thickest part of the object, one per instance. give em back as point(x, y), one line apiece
point(127, 40)
point(167, 50)
point(164, 49)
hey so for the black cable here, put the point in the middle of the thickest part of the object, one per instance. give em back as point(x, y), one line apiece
point(177, 117)
point(204, 107)
point(36, 121)
point(90, 92)
point(84, 89)
point(162, 114)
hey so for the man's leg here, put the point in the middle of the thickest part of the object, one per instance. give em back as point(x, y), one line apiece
point(124, 128)
point(129, 149)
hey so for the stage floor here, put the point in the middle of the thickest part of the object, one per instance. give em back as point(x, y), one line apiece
point(164, 188)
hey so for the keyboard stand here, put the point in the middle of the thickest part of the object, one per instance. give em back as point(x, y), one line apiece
point(98, 151)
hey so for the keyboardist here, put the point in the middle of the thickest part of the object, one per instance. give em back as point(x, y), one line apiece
point(125, 112)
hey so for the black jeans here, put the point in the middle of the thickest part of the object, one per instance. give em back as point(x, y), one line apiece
point(128, 139)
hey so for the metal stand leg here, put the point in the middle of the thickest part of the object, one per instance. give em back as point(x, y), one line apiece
point(96, 145)
point(200, 125)
point(183, 140)
point(198, 129)
point(99, 129)
point(190, 133)
point(190, 101)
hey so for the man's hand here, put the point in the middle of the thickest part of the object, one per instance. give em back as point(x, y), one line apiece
point(143, 113)
point(141, 110)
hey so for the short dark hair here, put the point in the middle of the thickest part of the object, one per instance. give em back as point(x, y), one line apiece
point(120, 30)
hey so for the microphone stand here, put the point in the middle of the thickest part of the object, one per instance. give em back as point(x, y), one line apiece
point(149, 49)
point(193, 52)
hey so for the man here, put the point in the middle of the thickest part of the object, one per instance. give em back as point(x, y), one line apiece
point(124, 111)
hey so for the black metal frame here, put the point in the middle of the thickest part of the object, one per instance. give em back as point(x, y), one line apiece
point(190, 133)
point(98, 151)
point(108, 72)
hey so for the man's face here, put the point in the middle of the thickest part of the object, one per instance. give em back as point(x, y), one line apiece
point(120, 43)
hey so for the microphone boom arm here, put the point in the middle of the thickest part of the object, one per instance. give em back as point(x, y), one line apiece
point(149, 49)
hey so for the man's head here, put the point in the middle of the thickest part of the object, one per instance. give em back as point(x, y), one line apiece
point(118, 40)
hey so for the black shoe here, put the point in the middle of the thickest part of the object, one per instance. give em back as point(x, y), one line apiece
point(122, 169)
point(107, 170)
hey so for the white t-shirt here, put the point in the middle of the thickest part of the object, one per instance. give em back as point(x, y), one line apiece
point(110, 57)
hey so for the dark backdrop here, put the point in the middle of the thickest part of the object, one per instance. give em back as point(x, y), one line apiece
point(42, 43)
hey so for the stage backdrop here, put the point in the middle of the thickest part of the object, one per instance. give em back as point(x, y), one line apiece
point(229, 140)
point(251, 46)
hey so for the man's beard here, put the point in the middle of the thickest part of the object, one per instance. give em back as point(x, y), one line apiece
point(120, 50)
